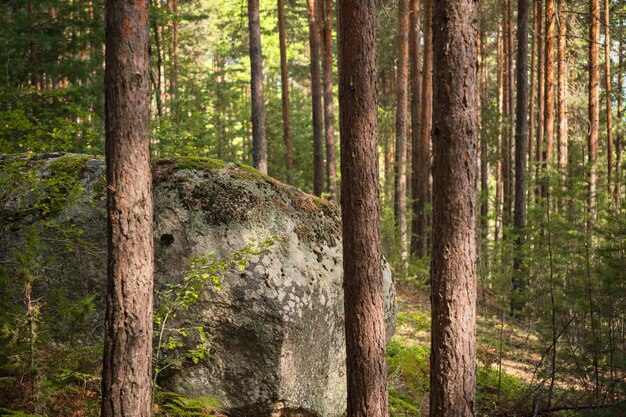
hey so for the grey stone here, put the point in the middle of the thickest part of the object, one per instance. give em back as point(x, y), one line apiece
point(276, 328)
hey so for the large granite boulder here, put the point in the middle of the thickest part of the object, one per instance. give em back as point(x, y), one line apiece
point(275, 329)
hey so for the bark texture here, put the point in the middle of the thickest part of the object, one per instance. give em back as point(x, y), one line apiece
point(416, 91)
point(453, 269)
point(284, 90)
point(365, 331)
point(562, 136)
point(619, 139)
point(423, 167)
point(521, 144)
point(594, 99)
point(329, 120)
point(401, 129)
point(259, 143)
point(316, 98)
point(607, 87)
point(549, 88)
point(127, 368)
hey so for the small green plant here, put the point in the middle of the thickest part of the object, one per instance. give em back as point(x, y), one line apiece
point(177, 297)
point(171, 404)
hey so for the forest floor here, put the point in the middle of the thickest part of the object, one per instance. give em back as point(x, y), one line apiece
point(516, 349)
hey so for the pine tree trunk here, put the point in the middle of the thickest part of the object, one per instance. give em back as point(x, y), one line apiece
point(521, 143)
point(329, 120)
point(424, 144)
point(562, 135)
point(284, 90)
point(510, 149)
point(607, 86)
point(540, 99)
point(415, 83)
point(484, 151)
point(549, 89)
point(531, 106)
point(173, 8)
point(363, 283)
point(401, 129)
point(128, 323)
point(499, 153)
point(316, 98)
point(594, 105)
point(259, 142)
point(619, 140)
point(453, 268)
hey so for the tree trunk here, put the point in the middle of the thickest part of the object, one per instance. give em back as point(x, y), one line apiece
point(284, 89)
point(316, 99)
point(360, 207)
point(415, 83)
point(562, 135)
point(401, 128)
point(484, 151)
point(453, 270)
point(521, 143)
point(540, 99)
point(423, 168)
point(510, 137)
point(531, 106)
point(499, 165)
point(549, 91)
point(173, 8)
point(619, 140)
point(329, 119)
point(607, 86)
point(259, 143)
point(218, 113)
point(128, 324)
point(159, 69)
point(594, 105)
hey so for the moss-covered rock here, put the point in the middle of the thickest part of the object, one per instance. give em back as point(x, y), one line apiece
point(275, 327)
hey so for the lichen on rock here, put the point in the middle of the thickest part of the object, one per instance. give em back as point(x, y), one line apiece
point(275, 328)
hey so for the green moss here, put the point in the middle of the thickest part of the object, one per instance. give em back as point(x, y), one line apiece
point(69, 165)
point(247, 172)
point(198, 163)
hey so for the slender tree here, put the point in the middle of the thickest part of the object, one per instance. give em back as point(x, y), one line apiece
point(423, 167)
point(531, 105)
point(173, 9)
point(284, 90)
point(127, 368)
point(401, 128)
point(415, 84)
point(360, 208)
point(594, 107)
point(549, 87)
point(259, 142)
point(607, 87)
point(329, 120)
point(562, 136)
point(521, 143)
point(453, 269)
point(316, 98)
point(619, 139)
point(540, 95)
point(499, 152)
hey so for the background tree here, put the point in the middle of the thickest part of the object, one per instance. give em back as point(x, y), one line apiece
point(259, 143)
point(401, 129)
point(316, 97)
